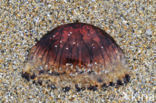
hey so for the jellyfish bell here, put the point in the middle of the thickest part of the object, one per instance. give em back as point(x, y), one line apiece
point(76, 55)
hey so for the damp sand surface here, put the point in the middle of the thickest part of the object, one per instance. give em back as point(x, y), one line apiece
point(130, 23)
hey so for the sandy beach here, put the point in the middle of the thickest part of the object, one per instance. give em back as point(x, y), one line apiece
point(130, 22)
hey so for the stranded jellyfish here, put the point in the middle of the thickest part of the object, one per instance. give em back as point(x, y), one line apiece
point(76, 55)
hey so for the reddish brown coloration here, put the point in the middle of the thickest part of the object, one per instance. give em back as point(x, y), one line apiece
point(76, 43)
point(74, 51)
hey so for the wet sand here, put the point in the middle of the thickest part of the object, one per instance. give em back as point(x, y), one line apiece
point(130, 23)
